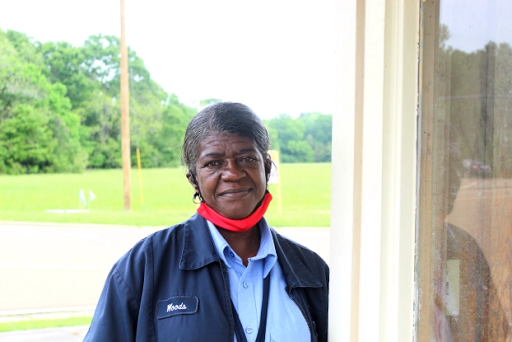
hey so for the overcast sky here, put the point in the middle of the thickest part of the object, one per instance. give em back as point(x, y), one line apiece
point(473, 23)
point(275, 56)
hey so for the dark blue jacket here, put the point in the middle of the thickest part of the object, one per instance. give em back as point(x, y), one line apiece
point(172, 286)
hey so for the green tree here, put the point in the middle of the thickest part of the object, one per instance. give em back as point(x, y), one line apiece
point(26, 143)
point(318, 134)
point(69, 156)
point(305, 139)
point(66, 64)
point(297, 151)
point(72, 93)
point(37, 129)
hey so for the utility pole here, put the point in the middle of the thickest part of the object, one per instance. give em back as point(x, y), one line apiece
point(125, 113)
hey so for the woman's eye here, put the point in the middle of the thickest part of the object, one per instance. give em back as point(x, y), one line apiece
point(212, 164)
point(249, 159)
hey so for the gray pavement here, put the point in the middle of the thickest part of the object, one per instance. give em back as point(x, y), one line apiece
point(55, 266)
point(48, 269)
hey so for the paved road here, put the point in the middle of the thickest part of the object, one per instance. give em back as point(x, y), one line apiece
point(58, 266)
point(48, 266)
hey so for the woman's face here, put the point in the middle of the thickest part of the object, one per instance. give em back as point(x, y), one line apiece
point(230, 172)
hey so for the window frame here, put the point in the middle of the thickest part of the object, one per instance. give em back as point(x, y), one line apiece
point(374, 171)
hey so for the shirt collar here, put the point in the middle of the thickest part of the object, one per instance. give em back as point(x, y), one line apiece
point(267, 250)
point(199, 251)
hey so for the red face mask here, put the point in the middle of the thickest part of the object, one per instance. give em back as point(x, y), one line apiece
point(235, 225)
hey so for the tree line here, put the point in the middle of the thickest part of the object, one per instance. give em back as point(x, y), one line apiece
point(305, 139)
point(474, 97)
point(60, 111)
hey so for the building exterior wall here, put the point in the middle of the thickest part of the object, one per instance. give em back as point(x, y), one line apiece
point(421, 225)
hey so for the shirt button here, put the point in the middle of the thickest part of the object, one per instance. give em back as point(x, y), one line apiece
point(231, 254)
point(248, 330)
point(246, 285)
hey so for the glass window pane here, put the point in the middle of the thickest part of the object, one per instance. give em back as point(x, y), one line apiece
point(464, 259)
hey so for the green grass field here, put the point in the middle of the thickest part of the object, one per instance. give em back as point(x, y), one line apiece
point(44, 323)
point(305, 197)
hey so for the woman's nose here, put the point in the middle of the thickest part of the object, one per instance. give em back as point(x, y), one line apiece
point(232, 170)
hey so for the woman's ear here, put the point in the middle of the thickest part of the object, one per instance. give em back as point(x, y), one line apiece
point(268, 167)
point(192, 180)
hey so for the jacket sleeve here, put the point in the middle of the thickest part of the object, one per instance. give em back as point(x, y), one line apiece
point(115, 318)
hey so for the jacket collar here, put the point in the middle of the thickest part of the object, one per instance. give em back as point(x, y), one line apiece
point(296, 274)
point(198, 247)
point(199, 251)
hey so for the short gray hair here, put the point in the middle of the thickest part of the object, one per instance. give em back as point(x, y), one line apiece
point(223, 117)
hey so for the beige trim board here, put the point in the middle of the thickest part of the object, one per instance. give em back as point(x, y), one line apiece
point(374, 160)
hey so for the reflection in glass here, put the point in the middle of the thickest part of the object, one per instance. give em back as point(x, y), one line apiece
point(465, 231)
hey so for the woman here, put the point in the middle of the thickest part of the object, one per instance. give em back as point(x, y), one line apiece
point(224, 274)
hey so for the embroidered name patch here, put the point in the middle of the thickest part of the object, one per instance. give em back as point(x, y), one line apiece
point(179, 305)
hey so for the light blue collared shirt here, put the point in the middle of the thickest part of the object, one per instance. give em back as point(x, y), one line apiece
point(285, 321)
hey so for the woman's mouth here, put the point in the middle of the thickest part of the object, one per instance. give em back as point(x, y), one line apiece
point(235, 193)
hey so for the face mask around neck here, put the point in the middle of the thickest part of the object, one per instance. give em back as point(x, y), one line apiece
point(241, 225)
